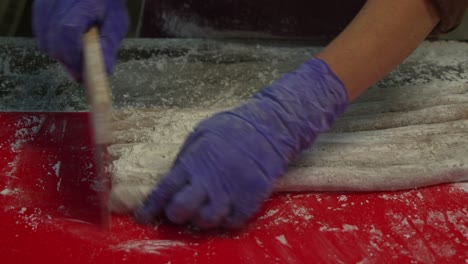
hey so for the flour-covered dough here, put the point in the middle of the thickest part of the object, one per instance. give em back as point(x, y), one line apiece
point(390, 139)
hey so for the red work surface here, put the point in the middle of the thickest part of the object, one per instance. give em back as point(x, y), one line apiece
point(42, 153)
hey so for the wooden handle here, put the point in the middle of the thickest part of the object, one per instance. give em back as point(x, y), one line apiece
point(99, 93)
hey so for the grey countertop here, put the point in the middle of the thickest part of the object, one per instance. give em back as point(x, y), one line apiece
point(194, 72)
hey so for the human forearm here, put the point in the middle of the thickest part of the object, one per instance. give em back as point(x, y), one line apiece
point(381, 36)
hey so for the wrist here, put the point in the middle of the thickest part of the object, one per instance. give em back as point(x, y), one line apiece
point(313, 87)
point(296, 108)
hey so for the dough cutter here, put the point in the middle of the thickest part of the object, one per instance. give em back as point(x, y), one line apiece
point(100, 100)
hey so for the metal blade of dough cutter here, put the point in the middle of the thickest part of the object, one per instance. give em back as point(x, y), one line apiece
point(100, 100)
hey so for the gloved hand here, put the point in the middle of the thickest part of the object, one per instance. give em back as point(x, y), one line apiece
point(230, 163)
point(59, 26)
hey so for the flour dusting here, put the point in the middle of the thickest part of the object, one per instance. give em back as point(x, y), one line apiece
point(282, 239)
point(344, 228)
point(56, 168)
point(28, 127)
point(6, 192)
point(31, 219)
point(462, 186)
point(149, 246)
point(303, 212)
point(349, 228)
point(269, 213)
point(325, 228)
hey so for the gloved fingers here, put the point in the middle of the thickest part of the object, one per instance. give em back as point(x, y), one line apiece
point(59, 26)
point(186, 203)
point(113, 30)
point(71, 54)
point(64, 41)
point(241, 213)
point(75, 68)
point(42, 14)
point(235, 220)
point(79, 18)
point(161, 195)
point(213, 214)
point(250, 199)
point(109, 52)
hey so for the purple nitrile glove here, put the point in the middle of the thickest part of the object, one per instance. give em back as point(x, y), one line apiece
point(59, 26)
point(230, 163)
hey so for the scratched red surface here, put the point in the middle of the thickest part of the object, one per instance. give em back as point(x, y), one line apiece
point(43, 154)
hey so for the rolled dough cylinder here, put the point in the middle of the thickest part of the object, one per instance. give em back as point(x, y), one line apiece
point(390, 139)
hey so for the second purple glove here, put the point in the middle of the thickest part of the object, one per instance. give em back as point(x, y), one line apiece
point(230, 163)
point(59, 26)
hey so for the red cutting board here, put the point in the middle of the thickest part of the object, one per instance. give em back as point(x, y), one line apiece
point(43, 154)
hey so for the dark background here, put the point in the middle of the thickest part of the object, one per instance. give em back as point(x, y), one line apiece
point(15, 18)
